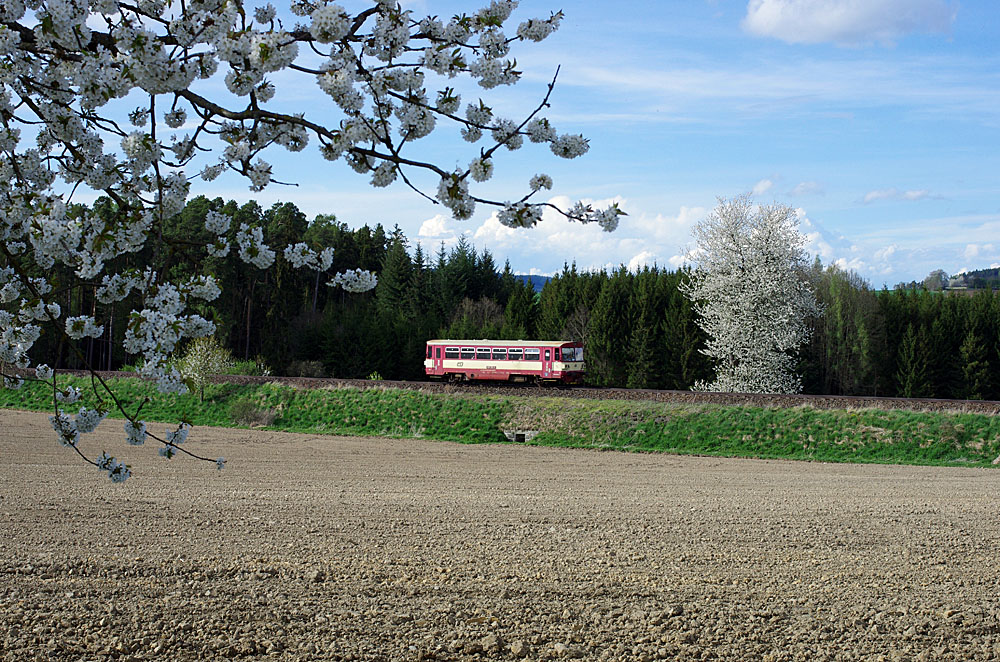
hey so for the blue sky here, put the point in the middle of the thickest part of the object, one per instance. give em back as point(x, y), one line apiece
point(878, 119)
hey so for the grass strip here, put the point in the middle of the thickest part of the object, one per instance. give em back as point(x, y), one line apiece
point(801, 433)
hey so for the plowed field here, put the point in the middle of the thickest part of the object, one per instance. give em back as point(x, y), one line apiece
point(327, 548)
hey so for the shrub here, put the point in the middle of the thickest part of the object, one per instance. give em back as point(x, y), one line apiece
point(255, 368)
point(203, 358)
point(245, 412)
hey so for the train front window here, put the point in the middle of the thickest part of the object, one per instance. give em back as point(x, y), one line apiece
point(429, 351)
point(572, 353)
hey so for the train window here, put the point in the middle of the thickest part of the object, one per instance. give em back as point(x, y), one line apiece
point(532, 354)
point(438, 352)
point(499, 354)
point(548, 354)
point(483, 353)
point(557, 355)
point(429, 352)
point(451, 352)
point(468, 353)
point(515, 354)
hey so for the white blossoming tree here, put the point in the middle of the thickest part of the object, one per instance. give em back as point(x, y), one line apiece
point(751, 296)
point(66, 65)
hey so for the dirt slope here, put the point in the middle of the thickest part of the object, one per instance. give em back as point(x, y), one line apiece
point(327, 548)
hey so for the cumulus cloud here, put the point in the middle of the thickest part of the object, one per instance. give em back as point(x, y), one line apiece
point(847, 22)
point(436, 226)
point(895, 194)
point(641, 239)
point(643, 259)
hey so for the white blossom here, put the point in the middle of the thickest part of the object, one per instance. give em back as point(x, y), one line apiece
point(135, 434)
point(83, 326)
point(481, 169)
point(66, 68)
point(749, 295)
point(356, 280)
point(570, 146)
point(539, 182)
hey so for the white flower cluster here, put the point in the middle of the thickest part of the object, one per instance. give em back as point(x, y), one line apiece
point(65, 64)
point(481, 169)
point(520, 215)
point(539, 182)
point(453, 193)
point(117, 471)
point(253, 250)
point(83, 326)
point(217, 222)
point(68, 395)
point(300, 255)
point(135, 435)
point(87, 420)
point(354, 280)
point(65, 428)
point(179, 435)
point(606, 218)
point(329, 23)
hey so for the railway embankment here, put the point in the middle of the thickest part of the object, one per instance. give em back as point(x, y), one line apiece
point(731, 425)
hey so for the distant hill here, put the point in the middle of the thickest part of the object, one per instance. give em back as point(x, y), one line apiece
point(980, 279)
point(537, 282)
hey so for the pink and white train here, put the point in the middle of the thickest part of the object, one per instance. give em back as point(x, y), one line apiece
point(537, 361)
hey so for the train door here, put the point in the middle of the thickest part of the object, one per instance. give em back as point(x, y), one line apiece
point(438, 365)
point(546, 362)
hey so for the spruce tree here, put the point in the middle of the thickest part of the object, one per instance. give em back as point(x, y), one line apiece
point(975, 367)
point(913, 374)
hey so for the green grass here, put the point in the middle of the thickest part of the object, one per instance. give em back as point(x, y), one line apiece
point(898, 437)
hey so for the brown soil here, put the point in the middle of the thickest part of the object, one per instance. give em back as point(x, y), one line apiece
point(328, 548)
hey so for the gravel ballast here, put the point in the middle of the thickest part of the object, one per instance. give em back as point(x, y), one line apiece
point(312, 547)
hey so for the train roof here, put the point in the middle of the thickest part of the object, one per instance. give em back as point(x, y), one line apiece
point(470, 342)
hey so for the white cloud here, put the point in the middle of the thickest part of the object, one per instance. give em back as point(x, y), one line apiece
point(895, 194)
point(807, 188)
point(677, 261)
point(886, 252)
point(846, 22)
point(643, 259)
point(436, 226)
point(641, 239)
point(763, 186)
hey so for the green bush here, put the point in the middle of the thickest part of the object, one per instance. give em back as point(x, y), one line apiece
point(245, 412)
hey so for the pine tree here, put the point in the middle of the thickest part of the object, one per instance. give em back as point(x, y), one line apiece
point(913, 374)
point(519, 312)
point(610, 328)
point(975, 367)
point(642, 366)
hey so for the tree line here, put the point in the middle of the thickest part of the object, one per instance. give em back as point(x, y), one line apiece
point(639, 330)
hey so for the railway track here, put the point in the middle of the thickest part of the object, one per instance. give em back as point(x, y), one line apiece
point(988, 407)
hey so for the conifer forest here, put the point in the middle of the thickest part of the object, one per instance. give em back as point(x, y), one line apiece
point(638, 329)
